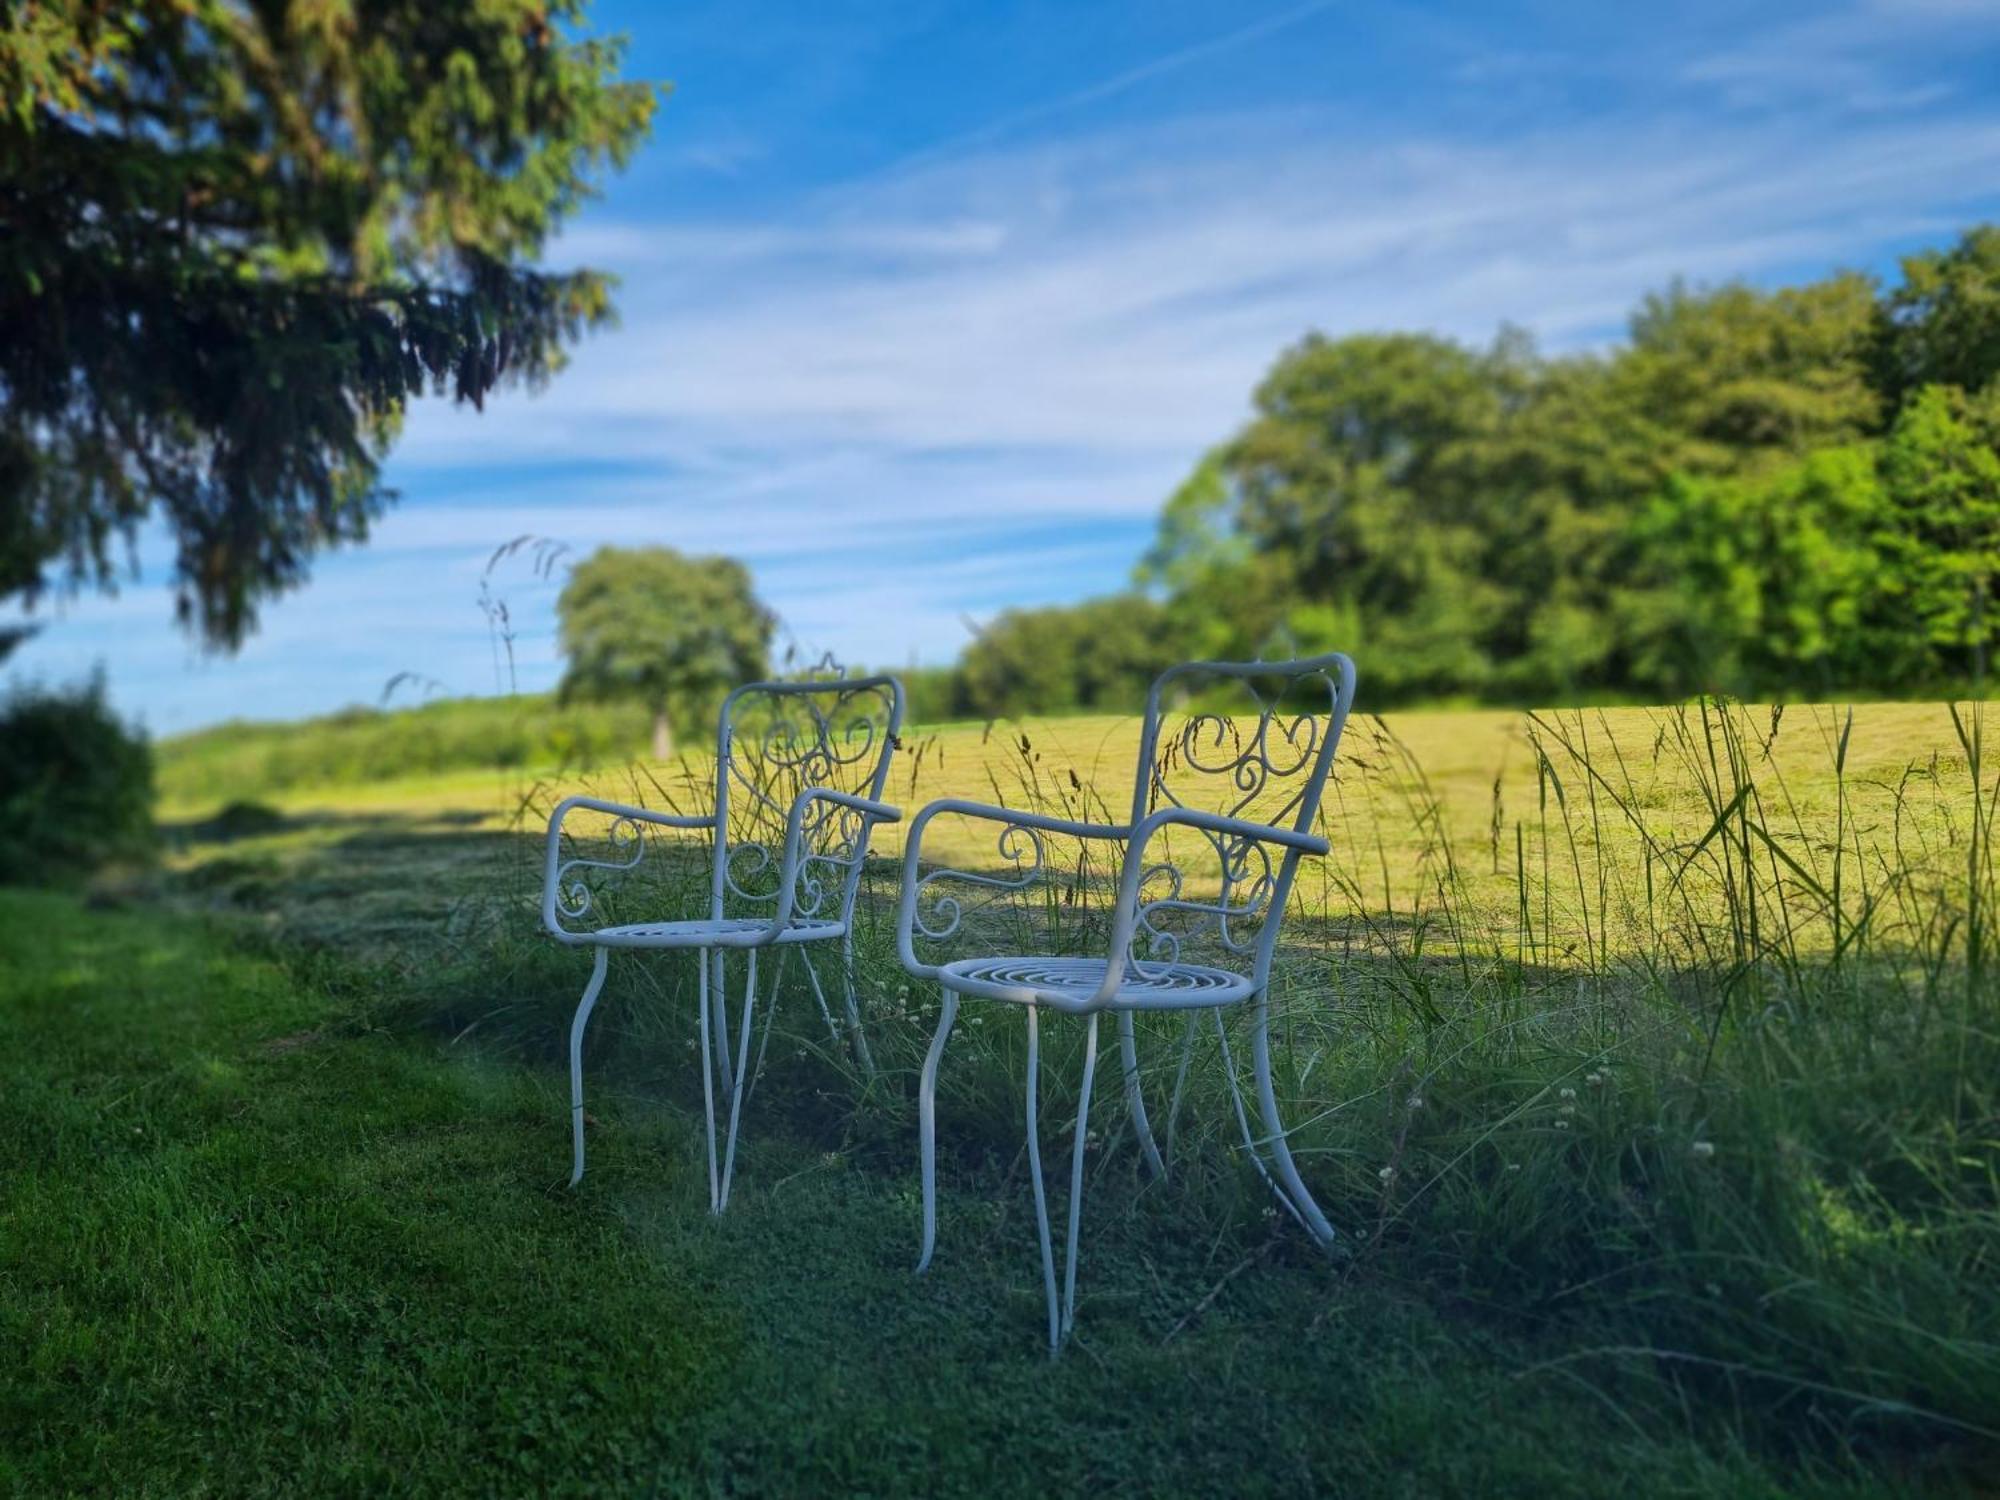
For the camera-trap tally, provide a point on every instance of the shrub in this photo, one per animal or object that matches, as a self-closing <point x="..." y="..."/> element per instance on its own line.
<point x="76" y="784"/>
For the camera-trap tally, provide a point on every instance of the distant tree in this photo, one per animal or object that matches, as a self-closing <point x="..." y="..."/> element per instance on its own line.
<point x="1476" y="520"/>
<point x="1763" y="584"/>
<point x="1758" y="491"/>
<point x="671" y="631"/>
<point x="1340" y="508"/>
<point x="1942" y="473"/>
<point x="1735" y="373"/>
<point x="1945" y="317"/>
<point x="1224" y="592"/>
<point x="237" y="238"/>
<point x="1100" y="654"/>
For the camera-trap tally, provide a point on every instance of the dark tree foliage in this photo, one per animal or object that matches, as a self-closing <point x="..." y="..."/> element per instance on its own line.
<point x="238" y="236"/>
<point x="1945" y="317"/>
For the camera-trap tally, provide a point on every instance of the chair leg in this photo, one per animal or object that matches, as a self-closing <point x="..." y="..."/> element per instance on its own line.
<point x="581" y="1020"/>
<point x="1281" y="1154"/>
<point x="1180" y="1078"/>
<point x="719" y="1006"/>
<point x="1076" y="1174"/>
<point x="927" y="1124"/>
<point x="819" y="994"/>
<point x="1128" y="1050"/>
<point x="1251" y="1147"/>
<point x="1041" y="1194"/>
<point x="770" y="1021"/>
<point x="736" y="1092"/>
<point x="861" y="1052"/>
<point x="707" y="1080"/>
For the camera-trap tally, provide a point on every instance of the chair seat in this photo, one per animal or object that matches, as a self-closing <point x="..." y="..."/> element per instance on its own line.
<point x="728" y="932"/>
<point x="1067" y="983"/>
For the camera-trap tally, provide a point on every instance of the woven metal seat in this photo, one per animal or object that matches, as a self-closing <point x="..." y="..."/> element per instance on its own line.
<point x="1062" y="982"/>
<point x="737" y="932"/>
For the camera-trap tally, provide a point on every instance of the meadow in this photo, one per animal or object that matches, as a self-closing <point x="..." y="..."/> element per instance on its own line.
<point x="1646" y="1059"/>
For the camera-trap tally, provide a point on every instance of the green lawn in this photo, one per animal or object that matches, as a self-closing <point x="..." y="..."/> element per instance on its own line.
<point x="250" y="1244"/>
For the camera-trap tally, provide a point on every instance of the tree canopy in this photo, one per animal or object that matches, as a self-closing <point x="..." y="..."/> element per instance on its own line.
<point x="1782" y="491"/>
<point x="237" y="236"/>
<point x="672" y="631"/>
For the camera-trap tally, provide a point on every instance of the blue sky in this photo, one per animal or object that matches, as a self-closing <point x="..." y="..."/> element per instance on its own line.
<point x="928" y="306"/>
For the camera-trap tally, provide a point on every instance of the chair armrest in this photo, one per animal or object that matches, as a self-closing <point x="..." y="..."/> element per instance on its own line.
<point x="555" y="867"/>
<point x="871" y="811"/>
<point x="1035" y="824"/>
<point x="1208" y="822"/>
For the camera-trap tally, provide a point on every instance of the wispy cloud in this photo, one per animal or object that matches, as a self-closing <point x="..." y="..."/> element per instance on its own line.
<point x="1876" y="57"/>
<point x="1119" y="296"/>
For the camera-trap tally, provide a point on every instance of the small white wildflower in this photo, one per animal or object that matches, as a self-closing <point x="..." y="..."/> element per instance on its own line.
<point x="1594" y="1078"/>
<point x="1567" y="1094"/>
<point x="1562" y="1124"/>
<point x="1387" y="1174"/>
<point x="1513" y="1166"/>
<point x="1416" y="1101"/>
<point x="1567" y="1110"/>
<point x="1704" y="1149"/>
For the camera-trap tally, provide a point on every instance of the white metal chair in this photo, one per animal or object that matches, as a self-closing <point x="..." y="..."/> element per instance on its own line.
<point x="800" y="768"/>
<point x="1258" y="740"/>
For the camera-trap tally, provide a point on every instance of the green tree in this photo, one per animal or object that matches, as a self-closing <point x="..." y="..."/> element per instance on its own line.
<point x="236" y="238"/>
<point x="1733" y="374"/>
<point x="1943" y="545"/>
<point x="671" y="631"/>
<point x="1337" y="509"/>
<point x="1944" y="319"/>
<point x="1224" y="592"/>
<point x="1763" y="584"/>
<point x="1471" y="519"/>
<point x="1100" y="654"/>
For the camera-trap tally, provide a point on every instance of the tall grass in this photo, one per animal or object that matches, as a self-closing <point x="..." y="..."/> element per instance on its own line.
<point x="1687" y="1066"/>
<point x="1730" y="1106"/>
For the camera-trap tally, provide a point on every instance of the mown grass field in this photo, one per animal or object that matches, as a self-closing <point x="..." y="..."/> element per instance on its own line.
<point x="1433" y="816"/>
<point x="1647" y="1063"/>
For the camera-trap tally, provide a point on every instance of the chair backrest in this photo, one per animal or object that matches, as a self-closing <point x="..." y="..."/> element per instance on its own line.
<point x="775" y="740"/>
<point x="1253" y="740"/>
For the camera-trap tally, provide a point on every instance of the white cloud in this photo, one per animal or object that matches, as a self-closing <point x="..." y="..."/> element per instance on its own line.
<point x="1120" y="296"/>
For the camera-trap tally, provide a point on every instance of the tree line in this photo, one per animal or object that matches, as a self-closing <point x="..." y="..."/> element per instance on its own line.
<point x="1788" y="492"/>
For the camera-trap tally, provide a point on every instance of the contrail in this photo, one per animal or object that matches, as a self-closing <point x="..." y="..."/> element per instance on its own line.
<point x="1116" y="84"/>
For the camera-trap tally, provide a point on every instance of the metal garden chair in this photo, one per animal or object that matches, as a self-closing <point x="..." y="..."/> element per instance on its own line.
<point x="1257" y="744"/>
<point x="800" y="768"/>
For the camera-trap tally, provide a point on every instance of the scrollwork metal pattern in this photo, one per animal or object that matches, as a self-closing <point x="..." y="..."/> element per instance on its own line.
<point x="937" y="916"/>
<point x="574" y="898"/>
<point x="1262" y="764"/>
<point x="1282" y="743"/>
<point x="776" y="747"/>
